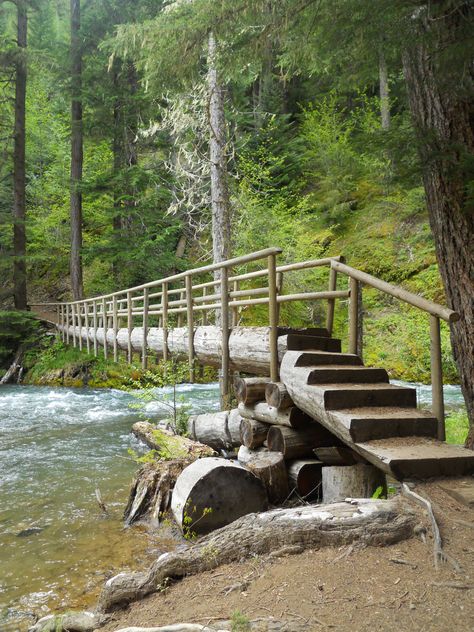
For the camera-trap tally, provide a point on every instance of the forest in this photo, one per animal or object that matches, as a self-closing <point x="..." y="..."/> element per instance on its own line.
<point x="142" y="138"/>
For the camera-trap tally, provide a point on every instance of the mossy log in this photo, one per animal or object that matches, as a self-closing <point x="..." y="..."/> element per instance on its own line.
<point x="170" y="445"/>
<point x="370" y="522"/>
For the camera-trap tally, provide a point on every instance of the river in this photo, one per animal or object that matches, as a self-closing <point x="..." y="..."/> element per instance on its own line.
<point x="56" y="446"/>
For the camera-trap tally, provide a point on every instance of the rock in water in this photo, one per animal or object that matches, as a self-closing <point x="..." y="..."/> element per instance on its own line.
<point x="27" y="532"/>
<point x="212" y="492"/>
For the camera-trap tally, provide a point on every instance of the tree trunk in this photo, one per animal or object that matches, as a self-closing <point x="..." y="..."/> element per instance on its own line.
<point x="19" y="202"/>
<point x="442" y="107"/>
<point x="76" y="152"/>
<point x="384" y="91"/>
<point x="220" y="200"/>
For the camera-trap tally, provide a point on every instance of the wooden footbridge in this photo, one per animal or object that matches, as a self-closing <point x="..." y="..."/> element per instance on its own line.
<point x="197" y="314"/>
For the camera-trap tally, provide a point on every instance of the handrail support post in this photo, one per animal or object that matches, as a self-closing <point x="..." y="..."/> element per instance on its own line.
<point x="437" y="376"/>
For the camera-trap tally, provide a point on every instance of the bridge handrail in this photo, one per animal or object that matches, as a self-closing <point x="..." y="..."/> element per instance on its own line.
<point x="109" y="308"/>
<point x="424" y="304"/>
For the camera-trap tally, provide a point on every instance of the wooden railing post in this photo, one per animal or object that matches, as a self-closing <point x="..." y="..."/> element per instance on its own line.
<point x="204" y="312"/>
<point x="129" y="327"/>
<point x="279" y="282"/>
<point x="331" y="301"/>
<point x="225" y="361"/>
<point x="437" y="376"/>
<point x="190" y="319"/>
<point x="273" y="317"/>
<point x="115" y="326"/>
<point x="68" y="334"/>
<point x="353" y="314"/>
<point x="62" y="322"/>
<point x="79" y="323"/>
<point x="145" y="329"/>
<point x="73" y="318"/>
<point x="164" y="303"/>
<point x="235" y="310"/>
<point x="86" y="324"/>
<point x="180" y="315"/>
<point x="94" y="321"/>
<point x="104" y="326"/>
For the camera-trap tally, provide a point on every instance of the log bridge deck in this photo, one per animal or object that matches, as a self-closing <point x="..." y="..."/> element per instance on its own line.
<point x="379" y="421"/>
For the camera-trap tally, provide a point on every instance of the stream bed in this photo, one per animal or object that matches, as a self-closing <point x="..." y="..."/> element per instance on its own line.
<point x="57" y="445"/>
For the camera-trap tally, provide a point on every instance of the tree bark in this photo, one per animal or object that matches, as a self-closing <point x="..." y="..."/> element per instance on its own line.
<point x="384" y="91"/>
<point x="220" y="199"/>
<point x="76" y="152"/>
<point x="442" y="107"/>
<point x="19" y="200"/>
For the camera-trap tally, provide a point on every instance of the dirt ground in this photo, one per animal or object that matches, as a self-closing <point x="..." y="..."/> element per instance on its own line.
<point x="396" y="587"/>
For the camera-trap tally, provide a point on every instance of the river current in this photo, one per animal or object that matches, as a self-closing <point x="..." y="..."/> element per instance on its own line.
<point x="57" y="445"/>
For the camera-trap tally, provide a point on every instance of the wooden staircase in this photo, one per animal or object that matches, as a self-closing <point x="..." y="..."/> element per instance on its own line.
<point x="378" y="420"/>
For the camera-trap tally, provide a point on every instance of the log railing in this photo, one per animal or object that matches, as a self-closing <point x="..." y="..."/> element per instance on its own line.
<point x="187" y="298"/>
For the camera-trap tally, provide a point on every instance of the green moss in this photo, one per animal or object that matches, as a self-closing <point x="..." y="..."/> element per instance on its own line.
<point x="457" y="426"/>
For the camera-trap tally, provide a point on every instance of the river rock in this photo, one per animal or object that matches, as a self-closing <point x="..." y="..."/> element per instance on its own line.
<point x="210" y="493"/>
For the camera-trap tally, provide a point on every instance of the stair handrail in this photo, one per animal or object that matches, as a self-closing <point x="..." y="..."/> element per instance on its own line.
<point x="436" y="312"/>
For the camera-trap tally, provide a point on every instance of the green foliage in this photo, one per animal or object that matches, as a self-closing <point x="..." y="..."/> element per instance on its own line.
<point x="239" y="622"/>
<point x="16" y="328"/>
<point x="457" y="427"/>
<point x="190" y="520"/>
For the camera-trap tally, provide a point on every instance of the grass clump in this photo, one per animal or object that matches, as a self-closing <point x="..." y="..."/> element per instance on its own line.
<point x="457" y="427"/>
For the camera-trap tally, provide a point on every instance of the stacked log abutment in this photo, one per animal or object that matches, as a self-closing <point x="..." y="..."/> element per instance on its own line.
<point x="317" y="463"/>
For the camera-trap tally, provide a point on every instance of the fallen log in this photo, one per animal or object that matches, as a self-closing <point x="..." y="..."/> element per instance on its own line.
<point x="234" y="421"/>
<point x="261" y="411"/>
<point x="14" y="368"/>
<point x="270" y="468"/>
<point x="250" y="389"/>
<point x="370" y="522"/>
<point x="305" y="476"/>
<point x="295" y="443"/>
<point x="212" y="492"/>
<point x="353" y="481"/>
<point x="253" y="433"/>
<point x="277" y="396"/>
<point x="168" y="444"/>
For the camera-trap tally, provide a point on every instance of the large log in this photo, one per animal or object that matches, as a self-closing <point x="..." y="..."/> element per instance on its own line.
<point x="270" y="468"/>
<point x="213" y="492"/>
<point x="261" y="411"/>
<point x="351" y="481"/>
<point x="253" y="433"/>
<point x="251" y="389"/>
<point x="210" y="429"/>
<point x="305" y="476"/>
<point x="175" y="446"/>
<point x="294" y="444"/>
<point x="277" y="396"/>
<point x="220" y="430"/>
<point x="369" y="522"/>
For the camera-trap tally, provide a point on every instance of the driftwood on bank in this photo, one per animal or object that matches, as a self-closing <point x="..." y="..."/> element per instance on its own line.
<point x="261" y="411"/>
<point x="270" y="468"/>
<point x="171" y="444"/>
<point x="15" y="368"/>
<point x="370" y="522"/>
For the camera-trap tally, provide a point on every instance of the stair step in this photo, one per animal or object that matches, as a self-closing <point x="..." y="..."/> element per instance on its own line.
<point x="418" y="457"/>
<point x="301" y="342"/>
<point x="366" y="424"/>
<point x="323" y="358"/>
<point x="307" y="331"/>
<point x="342" y="374"/>
<point x="337" y="396"/>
